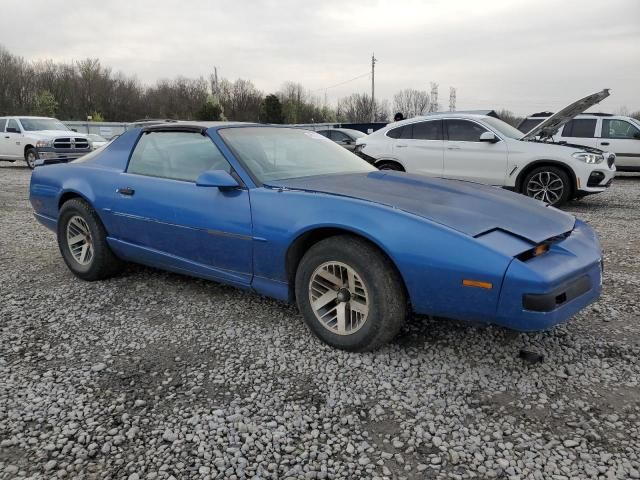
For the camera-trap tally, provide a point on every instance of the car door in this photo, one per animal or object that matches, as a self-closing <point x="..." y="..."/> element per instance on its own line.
<point x="581" y="131"/>
<point x="623" y="138"/>
<point x="342" y="139"/>
<point x="159" y="209"/>
<point x="419" y="147"/>
<point x="3" y="140"/>
<point x="467" y="158"/>
<point x="12" y="138"/>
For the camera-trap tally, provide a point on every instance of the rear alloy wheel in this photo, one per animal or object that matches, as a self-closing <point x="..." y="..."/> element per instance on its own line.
<point x="30" y="156"/>
<point x="350" y="294"/>
<point x="83" y="242"/>
<point x="548" y="184"/>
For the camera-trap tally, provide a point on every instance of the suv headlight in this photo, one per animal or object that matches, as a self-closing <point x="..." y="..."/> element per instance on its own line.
<point x="585" y="157"/>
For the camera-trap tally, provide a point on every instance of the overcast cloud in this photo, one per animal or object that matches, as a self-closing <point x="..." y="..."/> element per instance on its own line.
<point x="524" y="55"/>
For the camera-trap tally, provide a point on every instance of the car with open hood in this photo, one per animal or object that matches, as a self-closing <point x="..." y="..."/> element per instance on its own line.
<point x="615" y="133"/>
<point x="289" y="214"/>
<point x="482" y="148"/>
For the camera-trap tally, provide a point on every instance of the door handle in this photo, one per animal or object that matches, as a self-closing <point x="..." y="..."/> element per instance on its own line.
<point x="126" y="191"/>
<point x="604" y="143"/>
<point x="7" y="136"/>
<point x="453" y="148"/>
<point x="401" y="146"/>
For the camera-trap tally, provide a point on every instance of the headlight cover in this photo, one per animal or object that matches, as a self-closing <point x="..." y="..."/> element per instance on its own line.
<point x="592" y="158"/>
<point x="43" y="143"/>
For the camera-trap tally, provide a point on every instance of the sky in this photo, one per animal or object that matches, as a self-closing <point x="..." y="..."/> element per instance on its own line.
<point x="522" y="55"/>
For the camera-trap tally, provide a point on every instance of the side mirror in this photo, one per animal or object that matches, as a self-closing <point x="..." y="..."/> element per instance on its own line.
<point x="217" y="178"/>
<point x="12" y="130"/>
<point x="489" y="137"/>
<point x="348" y="142"/>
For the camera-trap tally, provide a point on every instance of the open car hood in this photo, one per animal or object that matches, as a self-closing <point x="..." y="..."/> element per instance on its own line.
<point x="467" y="207"/>
<point x="551" y="125"/>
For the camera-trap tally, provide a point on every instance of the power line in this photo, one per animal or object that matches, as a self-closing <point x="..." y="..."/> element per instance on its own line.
<point x="342" y="83"/>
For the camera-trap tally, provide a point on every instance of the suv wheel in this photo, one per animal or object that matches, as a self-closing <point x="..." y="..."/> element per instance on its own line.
<point x="548" y="184"/>
<point x="390" y="166"/>
<point x="30" y="156"/>
<point x="350" y="295"/>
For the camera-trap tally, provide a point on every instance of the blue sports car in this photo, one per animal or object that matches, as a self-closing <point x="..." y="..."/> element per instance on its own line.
<point x="289" y="214"/>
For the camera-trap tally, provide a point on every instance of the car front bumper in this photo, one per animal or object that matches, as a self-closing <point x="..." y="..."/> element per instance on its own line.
<point x="549" y="289"/>
<point x="60" y="154"/>
<point x="596" y="180"/>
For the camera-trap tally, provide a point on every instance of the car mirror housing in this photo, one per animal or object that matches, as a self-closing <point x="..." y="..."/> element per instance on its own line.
<point x="489" y="137"/>
<point x="217" y="178"/>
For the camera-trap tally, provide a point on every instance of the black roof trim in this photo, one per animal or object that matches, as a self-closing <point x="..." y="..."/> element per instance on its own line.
<point x="168" y="127"/>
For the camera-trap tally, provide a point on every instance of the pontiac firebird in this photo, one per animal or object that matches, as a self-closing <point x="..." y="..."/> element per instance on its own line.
<point x="289" y="214"/>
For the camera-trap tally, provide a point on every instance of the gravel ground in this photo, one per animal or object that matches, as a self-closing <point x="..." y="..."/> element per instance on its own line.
<point x="156" y="375"/>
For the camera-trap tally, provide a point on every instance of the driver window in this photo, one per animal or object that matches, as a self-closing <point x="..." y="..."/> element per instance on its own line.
<point x="464" y="131"/>
<point x="618" y="129"/>
<point x="176" y="155"/>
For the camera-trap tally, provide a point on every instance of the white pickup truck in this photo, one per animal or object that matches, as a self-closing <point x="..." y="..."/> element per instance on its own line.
<point x="31" y="138"/>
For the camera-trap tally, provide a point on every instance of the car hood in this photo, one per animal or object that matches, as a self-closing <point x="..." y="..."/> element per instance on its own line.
<point x="552" y="124"/>
<point x="467" y="207"/>
<point x="55" y="133"/>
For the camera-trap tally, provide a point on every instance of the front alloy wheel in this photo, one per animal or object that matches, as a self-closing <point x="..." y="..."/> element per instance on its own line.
<point x="548" y="184"/>
<point x="339" y="298"/>
<point x="350" y="294"/>
<point x="30" y="157"/>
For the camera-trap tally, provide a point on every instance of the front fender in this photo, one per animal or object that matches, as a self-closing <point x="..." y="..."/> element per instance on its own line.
<point x="432" y="259"/>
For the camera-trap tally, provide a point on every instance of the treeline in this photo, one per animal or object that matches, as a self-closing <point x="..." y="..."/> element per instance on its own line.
<point x="77" y="90"/>
<point x="74" y="91"/>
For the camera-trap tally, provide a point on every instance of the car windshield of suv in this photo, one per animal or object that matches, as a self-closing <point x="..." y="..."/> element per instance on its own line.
<point x="35" y="124"/>
<point x="503" y="127"/>
<point x="281" y="153"/>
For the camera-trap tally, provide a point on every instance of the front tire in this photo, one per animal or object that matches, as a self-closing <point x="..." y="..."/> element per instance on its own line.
<point x="83" y="242"/>
<point x="350" y="295"/>
<point x="30" y="156"/>
<point x="548" y="184"/>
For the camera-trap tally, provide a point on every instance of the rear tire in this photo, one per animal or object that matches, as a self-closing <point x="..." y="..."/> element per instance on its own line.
<point x="83" y="242"/>
<point x="389" y="165"/>
<point x="30" y="156"/>
<point x="549" y="184"/>
<point x="350" y="295"/>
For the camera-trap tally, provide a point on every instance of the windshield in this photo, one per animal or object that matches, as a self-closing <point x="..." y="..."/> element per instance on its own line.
<point x="34" y="124"/>
<point x="279" y="153"/>
<point x="503" y="128"/>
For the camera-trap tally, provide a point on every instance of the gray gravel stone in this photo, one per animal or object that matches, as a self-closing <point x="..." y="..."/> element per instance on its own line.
<point x="155" y="375"/>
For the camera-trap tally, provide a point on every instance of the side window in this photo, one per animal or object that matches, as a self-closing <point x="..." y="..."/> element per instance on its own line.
<point x="464" y="131"/>
<point x="427" y="130"/>
<point x="12" y="123"/>
<point x="580" y="128"/>
<point x="176" y="155"/>
<point x="339" y="136"/>
<point x="3" y="122"/>
<point x="612" y="128"/>
<point x="395" y="133"/>
<point x="325" y="133"/>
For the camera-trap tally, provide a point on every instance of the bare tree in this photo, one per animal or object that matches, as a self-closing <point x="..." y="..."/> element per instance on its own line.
<point x="509" y="117"/>
<point x="357" y="108"/>
<point x="411" y="102"/>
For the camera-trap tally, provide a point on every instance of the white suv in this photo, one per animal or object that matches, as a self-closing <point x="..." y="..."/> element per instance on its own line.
<point x="616" y="133"/>
<point x="30" y="138"/>
<point x="484" y="149"/>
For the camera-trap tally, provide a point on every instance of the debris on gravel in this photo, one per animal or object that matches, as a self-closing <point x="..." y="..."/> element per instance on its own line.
<point x="152" y="375"/>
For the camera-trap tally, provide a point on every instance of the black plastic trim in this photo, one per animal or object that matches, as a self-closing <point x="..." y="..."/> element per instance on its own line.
<point x="548" y="302"/>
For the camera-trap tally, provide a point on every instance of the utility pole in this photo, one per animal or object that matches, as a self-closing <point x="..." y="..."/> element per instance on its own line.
<point x="452" y="99"/>
<point x="373" y="87"/>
